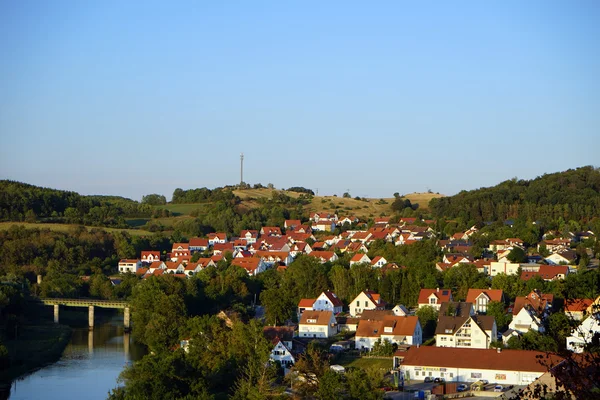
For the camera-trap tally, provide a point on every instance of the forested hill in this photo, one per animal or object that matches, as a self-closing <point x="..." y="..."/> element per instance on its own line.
<point x="24" y="202"/>
<point x="569" y="195"/>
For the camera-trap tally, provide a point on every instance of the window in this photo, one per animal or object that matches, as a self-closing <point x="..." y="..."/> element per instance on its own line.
<point x="357" y="303"/>
<point x="432" y="300"/>
<point x="366" y="304"/>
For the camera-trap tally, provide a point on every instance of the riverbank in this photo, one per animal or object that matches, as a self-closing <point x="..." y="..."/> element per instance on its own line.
<point x="38" y="345"/>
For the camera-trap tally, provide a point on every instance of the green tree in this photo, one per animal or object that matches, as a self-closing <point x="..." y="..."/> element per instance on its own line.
<point x="497" y="310"/>
<point x="517" y="255"/>
<point x="428" y="317"/>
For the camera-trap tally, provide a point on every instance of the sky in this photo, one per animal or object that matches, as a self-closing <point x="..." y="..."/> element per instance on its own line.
<point x="131" y="98"/>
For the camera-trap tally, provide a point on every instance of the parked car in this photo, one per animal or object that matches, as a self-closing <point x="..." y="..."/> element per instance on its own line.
<point x="485" y="381"/>
<point x="428" y="379"/>
<point x="461" y="388"/>
<point x="498" y="388"/>
<point x="439" y="380"/>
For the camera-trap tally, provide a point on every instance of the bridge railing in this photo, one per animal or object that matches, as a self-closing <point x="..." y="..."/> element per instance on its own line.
<point x="86" y="302"/>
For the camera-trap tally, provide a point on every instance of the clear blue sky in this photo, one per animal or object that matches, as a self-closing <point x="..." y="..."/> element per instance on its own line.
<point x="131" y="97"/>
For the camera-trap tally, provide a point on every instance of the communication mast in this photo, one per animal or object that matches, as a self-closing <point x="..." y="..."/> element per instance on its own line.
<point x="241" y="169"/>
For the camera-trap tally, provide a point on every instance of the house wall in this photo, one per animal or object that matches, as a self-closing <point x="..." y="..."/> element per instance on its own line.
<point x="129" y="267"/>
<point x="281" y="354"/>
<point x="364" y="303"/>
<point x="501" y="377"/>
<point x="362" y="342"/>
<point x="506" y="268"/>
<point x="323" y="304"/>
<point x="523" y="322"/>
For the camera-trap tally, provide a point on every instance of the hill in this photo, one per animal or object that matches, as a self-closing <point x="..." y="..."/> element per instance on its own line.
<point x="569" y="195"/>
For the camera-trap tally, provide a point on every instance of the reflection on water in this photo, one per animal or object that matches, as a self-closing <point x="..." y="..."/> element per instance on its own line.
<point x="88" y="368"/>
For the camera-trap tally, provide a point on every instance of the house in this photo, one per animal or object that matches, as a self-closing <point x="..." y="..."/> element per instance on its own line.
<point x="299" y="248"/>
<point x="506" y="268"/>
<point x="360" y="259"/>
<point x="555" y="245"/>
<point x="179" y="250"/>
<point x="129" y="265"/>
<point x="457" y="258"/>
<point x="250" y="236"/>
<point x="323" y="226"/>
<point x="480" y="298"/>
<point x="562" y="257"/>
<point x="395" y="329"/>
<point x="270" y="231"/>
<point x="317" y="324"/>
<point x="499" y="245"/>
<point x="547" y="272"/>
<point x="218" y="237"/>
<point x="174" y="267"/>
<point x="578" y="309"/>
<point x="305" y="305"/>
<point x="328" y="301"/>
<point x="323" y="216"/>
<point x="193" y="268"/>
<point x="400" y="310"/>
<point x="197" y="244"/>
<point x="271" y="258"/>
<point x="148" y="257"/>
<point x="530" y="311"/>
<point x="582" y="335"/>
<point x="434" y="297"/>
<point x="508" y="334"/>
<point x="282" y="355"/>
<point x="252" y="265"/>
<point x="458" y="326"/>
<point x="156" y="265"/>
<point x="361" y="236"/>
<point x="378" y="262"/>
<point x="366" y="300"/>
<point x="324" y="256"/>
<point x="291" y="224"/>
<point x="222" y="248"/>
<point x="504" y="367"/>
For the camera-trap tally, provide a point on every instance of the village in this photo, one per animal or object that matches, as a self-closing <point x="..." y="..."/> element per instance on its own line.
<point x="466" y="351"/>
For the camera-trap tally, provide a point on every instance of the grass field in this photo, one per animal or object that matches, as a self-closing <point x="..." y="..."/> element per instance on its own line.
<point x="348" y="360"/>
<point x="348" y="206"/>
<point x="66" y="228"/>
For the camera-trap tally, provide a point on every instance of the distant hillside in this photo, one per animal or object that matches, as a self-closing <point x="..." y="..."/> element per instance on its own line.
<point x="24" y="202"/>
<point x="569" y="195"/>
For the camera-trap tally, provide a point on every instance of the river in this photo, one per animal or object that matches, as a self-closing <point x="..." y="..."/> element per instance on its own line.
<point x="88" y="368"/>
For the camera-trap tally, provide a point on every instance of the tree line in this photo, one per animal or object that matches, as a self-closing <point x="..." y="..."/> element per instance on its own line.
<point x="551" y="198"/>
<point x="23" y="202"/>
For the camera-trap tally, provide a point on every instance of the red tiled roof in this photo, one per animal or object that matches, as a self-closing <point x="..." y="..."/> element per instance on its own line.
<point x="488" y="359"/>
<point x="578" y="305"/>
<point x="443" y="295"/>
<point x="493" y="294"/>
<point x="198" y="242"/>
<point x="333" y="298"/>
<point x="322" y="317"/>
<point x="306" y="303"/>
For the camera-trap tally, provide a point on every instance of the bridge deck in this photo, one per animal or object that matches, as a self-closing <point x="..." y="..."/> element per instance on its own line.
<point x="86" y="303"/>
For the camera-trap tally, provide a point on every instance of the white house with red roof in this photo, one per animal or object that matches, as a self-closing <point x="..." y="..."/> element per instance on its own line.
<point x="395" y="329"/>
<point x="360" y="259"/>
<point x="317" y="324"/>
<point x="282" y="355"/>
<point x="252" y="265"/>
<point x="148" y="257"/>
<point x="434" y="297"/>
<point x="129" y="265"/>
<point x="270" y="231"/>
<point x="378" y="262"/>
<point x="291" y="224"/>
<point x="480" y="298"/>
<point x="366" y="300"/>
<point x="174" y="267"/>
<point x="217" y="237"/>
<point x="250" y="236"/>
<point x="198" y="244"/>
<point x="179" y="250"/>
<point x="156" y="265"/>
<point x="324" y="256"/>
<point x="328" y="301"/>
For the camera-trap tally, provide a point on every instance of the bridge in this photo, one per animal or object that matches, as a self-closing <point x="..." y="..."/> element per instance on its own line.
<point x="90" y="304"/>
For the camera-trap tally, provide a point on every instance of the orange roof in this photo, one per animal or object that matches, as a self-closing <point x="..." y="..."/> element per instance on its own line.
<point x="321" y="317"/>
<point x="493" y="294"/>
<point x="443" y="295"/>
<point x="578" y="305"/>
<point x="489" y="359"/>
<point x="306" y="303"/>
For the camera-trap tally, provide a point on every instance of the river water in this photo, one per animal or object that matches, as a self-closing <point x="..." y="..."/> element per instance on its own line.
<point x="88" y="368"/>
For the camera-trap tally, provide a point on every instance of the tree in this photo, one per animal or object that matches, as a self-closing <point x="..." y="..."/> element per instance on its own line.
<point x="497" y="310"/>
<point x="428" y="318"/>
<point x="278" y="308"/>
<point x="154" y="200"/>
<point x="517" y="255"/>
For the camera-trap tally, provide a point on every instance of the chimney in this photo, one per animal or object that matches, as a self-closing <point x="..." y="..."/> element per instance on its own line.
<point x="499" y="350"/>
<point x="438" y="289"/>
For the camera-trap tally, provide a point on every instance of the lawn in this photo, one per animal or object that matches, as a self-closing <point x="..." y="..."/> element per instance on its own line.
<point x="348" y="360"/>
<point x="66" y="228"/>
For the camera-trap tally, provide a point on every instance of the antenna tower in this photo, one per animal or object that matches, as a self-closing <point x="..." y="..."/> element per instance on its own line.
<point x="241" y="169"/>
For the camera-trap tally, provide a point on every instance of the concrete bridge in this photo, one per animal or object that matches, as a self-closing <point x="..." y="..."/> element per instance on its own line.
<point x="90" y="304"/>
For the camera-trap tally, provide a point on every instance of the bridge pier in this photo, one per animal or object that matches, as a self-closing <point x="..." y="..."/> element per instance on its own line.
<point x="56" y="307"/>
<point x="91" y="317"/>
<point x="127" y="319"/>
